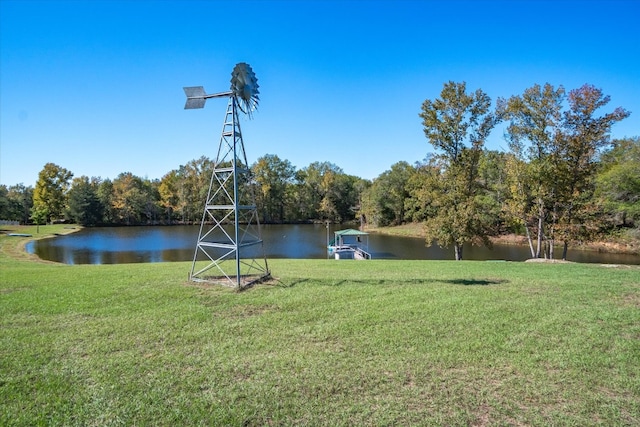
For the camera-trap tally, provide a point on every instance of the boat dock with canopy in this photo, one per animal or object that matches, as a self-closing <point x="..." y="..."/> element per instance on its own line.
<point x="350" y="244"/>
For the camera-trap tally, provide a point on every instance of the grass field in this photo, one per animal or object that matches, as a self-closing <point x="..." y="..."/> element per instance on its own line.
<point x="328" y="343"/>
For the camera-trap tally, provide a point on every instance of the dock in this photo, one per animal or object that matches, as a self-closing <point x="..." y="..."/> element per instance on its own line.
<point x="350" y="244"/>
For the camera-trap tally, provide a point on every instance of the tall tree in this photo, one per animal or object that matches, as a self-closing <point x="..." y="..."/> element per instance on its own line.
<point x="170" y="193"/>
<point x="4" y="203"/>
<point x="534" y="129"/>
<point x="384" y="201"/>
<point x="316" y="181"/>
<point x="273" y="176"/>
<point x="345" y="195"/>
<point x="192" y="183"/>
<point x="584" y="135"/>
<point x="458" y="124"/>
<point x="105" y="195"/>
<point x="557" y="150"/>
<point x="128" y="200"/>
<point x="18" y="201"/>
<point x="618" y="183"/>
<point x="84" y="206"/>
<point x="152" y="206"/>
<point x="492" y="178"/>
<point x="50" y="192"/>
<point x="418" y="205"/>
<point x="517" y="207"/>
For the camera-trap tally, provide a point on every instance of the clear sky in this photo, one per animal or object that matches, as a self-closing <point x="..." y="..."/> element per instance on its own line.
<point x="96" y="86"/>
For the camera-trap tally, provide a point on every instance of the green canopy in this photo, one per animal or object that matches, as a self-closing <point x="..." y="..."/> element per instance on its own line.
<point x="351" y="232"/>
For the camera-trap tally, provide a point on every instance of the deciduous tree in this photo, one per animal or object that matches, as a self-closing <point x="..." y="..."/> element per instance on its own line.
<point x="273" y="176"/>
<point x="384" y="200"/>
<point x="51" y="190"/>
<point x="458" y="124"/>
<point x="556" y="152"/>
<point x="105" y="195"/>
<point x="194" y="180"/>
<point x="4" y="203"/>
<point x="169" y="189"/>
<point x="129" y="200"/>
<point x="533" y="132"/>
<point x="314" y="192"/>
<point x="16" y="202"/>
<point x="584" y="135"/>
<point x="39" y="215"/>
<point x="618" y="183"/>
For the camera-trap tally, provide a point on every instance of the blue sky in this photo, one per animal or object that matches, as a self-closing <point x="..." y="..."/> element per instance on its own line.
<point x="96" y="86"/>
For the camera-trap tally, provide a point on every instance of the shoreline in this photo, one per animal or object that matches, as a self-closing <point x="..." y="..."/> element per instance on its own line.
<point x="16" y="246"/>
<point x="415" y="230"/>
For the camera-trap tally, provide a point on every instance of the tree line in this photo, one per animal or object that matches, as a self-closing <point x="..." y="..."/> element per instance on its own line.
<point x="562" y="180"/>
<point x="320" y="191"/>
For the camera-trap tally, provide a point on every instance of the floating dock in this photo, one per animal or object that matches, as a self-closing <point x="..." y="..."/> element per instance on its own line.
<point x="350" y="244"/>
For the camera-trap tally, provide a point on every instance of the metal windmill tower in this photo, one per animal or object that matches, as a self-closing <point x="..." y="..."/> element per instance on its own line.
<point x="230" y="250"/>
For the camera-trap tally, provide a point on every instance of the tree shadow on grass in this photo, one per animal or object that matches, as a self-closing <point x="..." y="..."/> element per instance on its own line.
<point x="374" y="282"/>
<point x="276" y="282"/>
<point x="344" y="282"/>
<point x="475" y="282"/>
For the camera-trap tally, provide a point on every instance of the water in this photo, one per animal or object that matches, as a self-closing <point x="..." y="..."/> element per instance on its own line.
<point x="118" y="245"/>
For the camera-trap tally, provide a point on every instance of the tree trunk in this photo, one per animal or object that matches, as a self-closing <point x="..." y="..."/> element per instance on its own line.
<point x="533" y="251"/>
<point x="565" y="248"/>
<point x="552" y="231"/>
<point x="540" y="223"/>
<point x="458" y="251"/>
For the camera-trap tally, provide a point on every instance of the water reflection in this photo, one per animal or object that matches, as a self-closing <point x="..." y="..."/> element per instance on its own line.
<point x="120" y="245"/>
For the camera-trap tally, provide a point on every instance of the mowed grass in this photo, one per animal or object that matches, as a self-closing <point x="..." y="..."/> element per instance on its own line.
<point x="327" y="343"/>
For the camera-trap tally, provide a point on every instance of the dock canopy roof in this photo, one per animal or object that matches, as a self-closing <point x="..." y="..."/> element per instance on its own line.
<point x="351" y="232"/>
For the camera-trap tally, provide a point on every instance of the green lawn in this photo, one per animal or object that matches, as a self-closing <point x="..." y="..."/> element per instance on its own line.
<point x="328" y="343"/>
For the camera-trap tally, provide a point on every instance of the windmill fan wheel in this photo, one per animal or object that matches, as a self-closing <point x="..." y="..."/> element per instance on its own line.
<point x="244" y="86"/>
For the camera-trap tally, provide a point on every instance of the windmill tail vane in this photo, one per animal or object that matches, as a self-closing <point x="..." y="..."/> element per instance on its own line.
<point x="196" y="97"/>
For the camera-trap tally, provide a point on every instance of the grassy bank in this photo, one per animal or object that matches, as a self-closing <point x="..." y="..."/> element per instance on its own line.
<point x="328" y="343"/>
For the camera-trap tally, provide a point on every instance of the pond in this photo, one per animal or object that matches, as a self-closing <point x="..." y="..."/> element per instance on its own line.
<point x="117" y="245"/>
